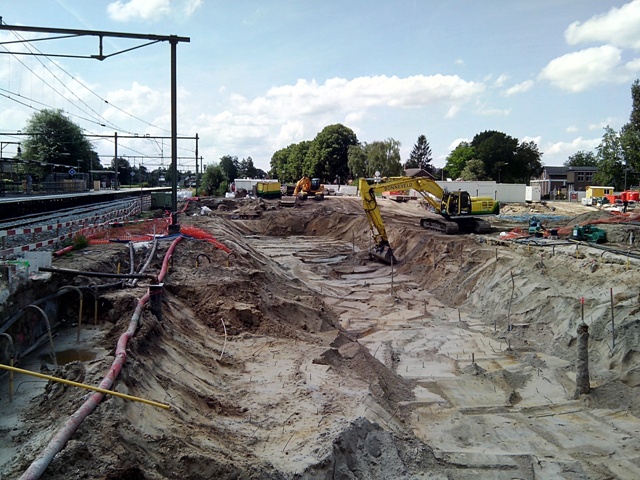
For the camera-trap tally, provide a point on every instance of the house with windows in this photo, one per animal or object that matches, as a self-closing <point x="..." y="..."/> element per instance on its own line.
<point x="559" y="182"/>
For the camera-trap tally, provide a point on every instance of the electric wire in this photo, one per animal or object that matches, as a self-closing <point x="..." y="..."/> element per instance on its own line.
<point x="31" y="48"/>
<point x="105" y="122"/>
<point x="11" y="96"/>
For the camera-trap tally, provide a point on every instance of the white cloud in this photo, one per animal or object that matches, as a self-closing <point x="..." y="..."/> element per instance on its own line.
<point x="601" y="125"/>
<point x="459" y="62"/>
<point x="633" y="66"/>
<point x="618" y="27"/>
<point x="291" y="132"/>
<point x="564" y="149"/>
<point x="494" y="111"/>
<point x="571" y="129"/>
<point x="535" y="140"/>
<point x="520" y="87"/>
<point x="453" y="111"/>
<point x="151" y="10"/>
<point x="501" y="80"/>
<point x="363" y="92"/>
<point x="288" y="114"/>
<point x="578" y="71"/>
<point x="457" y="142"/>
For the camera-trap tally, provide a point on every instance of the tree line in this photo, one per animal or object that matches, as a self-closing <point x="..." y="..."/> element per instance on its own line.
<point x="336" y="155"/>
<point x="617" y="157"/>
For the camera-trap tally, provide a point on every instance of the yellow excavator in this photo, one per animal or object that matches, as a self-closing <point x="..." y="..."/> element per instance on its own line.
<point x="306" y="187"/>
<point x="455" y="212"/>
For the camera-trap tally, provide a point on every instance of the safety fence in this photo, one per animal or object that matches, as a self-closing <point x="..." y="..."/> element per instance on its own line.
<point x="34" y="238"/>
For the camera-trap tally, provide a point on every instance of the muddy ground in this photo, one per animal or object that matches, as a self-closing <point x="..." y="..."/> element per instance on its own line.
<point x="457" y="363"/>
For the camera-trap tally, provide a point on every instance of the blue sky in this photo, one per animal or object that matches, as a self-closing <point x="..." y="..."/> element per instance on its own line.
<point x="260" y="75"/>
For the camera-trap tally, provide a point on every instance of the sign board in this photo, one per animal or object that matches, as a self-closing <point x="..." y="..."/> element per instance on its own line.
<point x="72" y="172"/>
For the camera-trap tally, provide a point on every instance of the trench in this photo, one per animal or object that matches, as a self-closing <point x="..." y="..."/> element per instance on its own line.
<point x="333" y="371"/>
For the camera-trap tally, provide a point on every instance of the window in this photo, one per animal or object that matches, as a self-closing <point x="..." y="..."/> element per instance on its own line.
<point x="581" y="176"/>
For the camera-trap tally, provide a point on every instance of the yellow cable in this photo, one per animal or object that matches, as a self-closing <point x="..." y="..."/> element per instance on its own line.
<point x="84" y="385"/>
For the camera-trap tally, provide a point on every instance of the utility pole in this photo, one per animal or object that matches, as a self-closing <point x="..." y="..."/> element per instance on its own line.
<point x="152" y="39"/>
<point x="196" y="164"/>
<point x="115" y="158"/>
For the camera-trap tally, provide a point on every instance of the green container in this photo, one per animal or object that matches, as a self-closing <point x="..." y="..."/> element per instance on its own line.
<point x="161" y="200"/>
<point x="268" y="190"/>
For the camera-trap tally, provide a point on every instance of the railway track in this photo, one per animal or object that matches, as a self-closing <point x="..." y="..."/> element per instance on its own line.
<point x="45" y="231"/>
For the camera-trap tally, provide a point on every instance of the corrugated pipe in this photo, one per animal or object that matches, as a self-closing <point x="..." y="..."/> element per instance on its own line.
<point x="57" y="443"/>
<point x="150" y="257"/>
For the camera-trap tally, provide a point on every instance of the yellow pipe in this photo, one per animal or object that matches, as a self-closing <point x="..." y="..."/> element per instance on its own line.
<point x="11" y="382"/>
<point x="84" y="385"/>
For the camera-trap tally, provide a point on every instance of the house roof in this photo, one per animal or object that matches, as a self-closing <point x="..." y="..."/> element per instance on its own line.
<point x="555" y="170"/>
<point x="417" y="172"/>
<point x="583" y="169"/>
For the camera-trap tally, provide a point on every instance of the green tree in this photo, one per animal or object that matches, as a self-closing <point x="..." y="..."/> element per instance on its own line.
<point x="581" y="159"/>
<point x="610" y="161"/>
<point x="214" y="180"/>
<point x="279" y="162"/>
<point x="630" y="135"/>
<point x="420" y="156"/>
<point x="295" y="164"/>
<point x="287" y="164"/>
<point x="246" y="169"/>
<point x="383" y="157"/>
<point x="497" y="151"/>
<point x="357" y="161"/>
<point x="328" y="155"/>
<point x="124" y="170"/>
<point x="458" y="158"/>
<point x="473" y="170"/>
<point x="527" y="162"/>
<point x="52" y="138"/>
<point x="229" y="166"/>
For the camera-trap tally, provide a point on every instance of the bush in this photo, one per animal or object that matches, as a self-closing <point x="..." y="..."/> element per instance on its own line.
<point x="80" y="242"/>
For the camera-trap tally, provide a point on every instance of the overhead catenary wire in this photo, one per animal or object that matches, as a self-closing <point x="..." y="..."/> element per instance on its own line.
<point x="98" y="118"/>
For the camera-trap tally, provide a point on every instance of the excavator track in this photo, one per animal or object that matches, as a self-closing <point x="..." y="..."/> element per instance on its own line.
<point x="440" y="225"/>
<point x="456" y="225"/>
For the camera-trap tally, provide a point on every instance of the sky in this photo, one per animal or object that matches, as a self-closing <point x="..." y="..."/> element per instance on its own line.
<point x="257" y="76"/>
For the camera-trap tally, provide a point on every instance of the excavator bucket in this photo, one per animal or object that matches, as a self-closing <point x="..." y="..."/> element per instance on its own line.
<point x="383" y="253"/>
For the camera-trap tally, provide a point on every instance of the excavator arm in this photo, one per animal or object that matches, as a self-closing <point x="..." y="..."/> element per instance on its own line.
<point x="430" y="190"/>
<point x="456" y="209"/>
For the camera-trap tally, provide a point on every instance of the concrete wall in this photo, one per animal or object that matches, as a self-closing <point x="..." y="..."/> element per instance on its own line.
<point x="503" y="192"/>
<point x="343" y="189"/>
<point x="248" y="183"/>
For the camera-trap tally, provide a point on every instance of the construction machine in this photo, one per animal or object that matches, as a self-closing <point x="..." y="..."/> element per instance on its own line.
<point x="589" y="233"/>
<point x="454" y="212"/>
<point x="309" y="187"/>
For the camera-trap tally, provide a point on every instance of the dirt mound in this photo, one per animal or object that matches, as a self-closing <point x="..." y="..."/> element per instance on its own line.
<point x="269" y="356"/>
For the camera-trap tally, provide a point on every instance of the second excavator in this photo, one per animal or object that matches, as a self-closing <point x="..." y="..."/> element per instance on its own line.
<point x="454" y="212"/>
<point x="306" y="187"/>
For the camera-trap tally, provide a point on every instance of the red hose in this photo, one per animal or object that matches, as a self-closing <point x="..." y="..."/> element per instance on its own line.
<point x="59" y="253"/>
<point x="60" y="439"/>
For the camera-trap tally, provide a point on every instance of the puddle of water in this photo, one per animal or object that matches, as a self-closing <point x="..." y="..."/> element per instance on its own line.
<point x="71" y="355"/>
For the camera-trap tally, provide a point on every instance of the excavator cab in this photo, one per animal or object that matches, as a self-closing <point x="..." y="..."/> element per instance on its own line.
<point x="456" y="203"/>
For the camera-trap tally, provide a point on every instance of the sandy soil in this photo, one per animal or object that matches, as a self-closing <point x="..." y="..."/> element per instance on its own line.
<point x="457" y="363"/>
